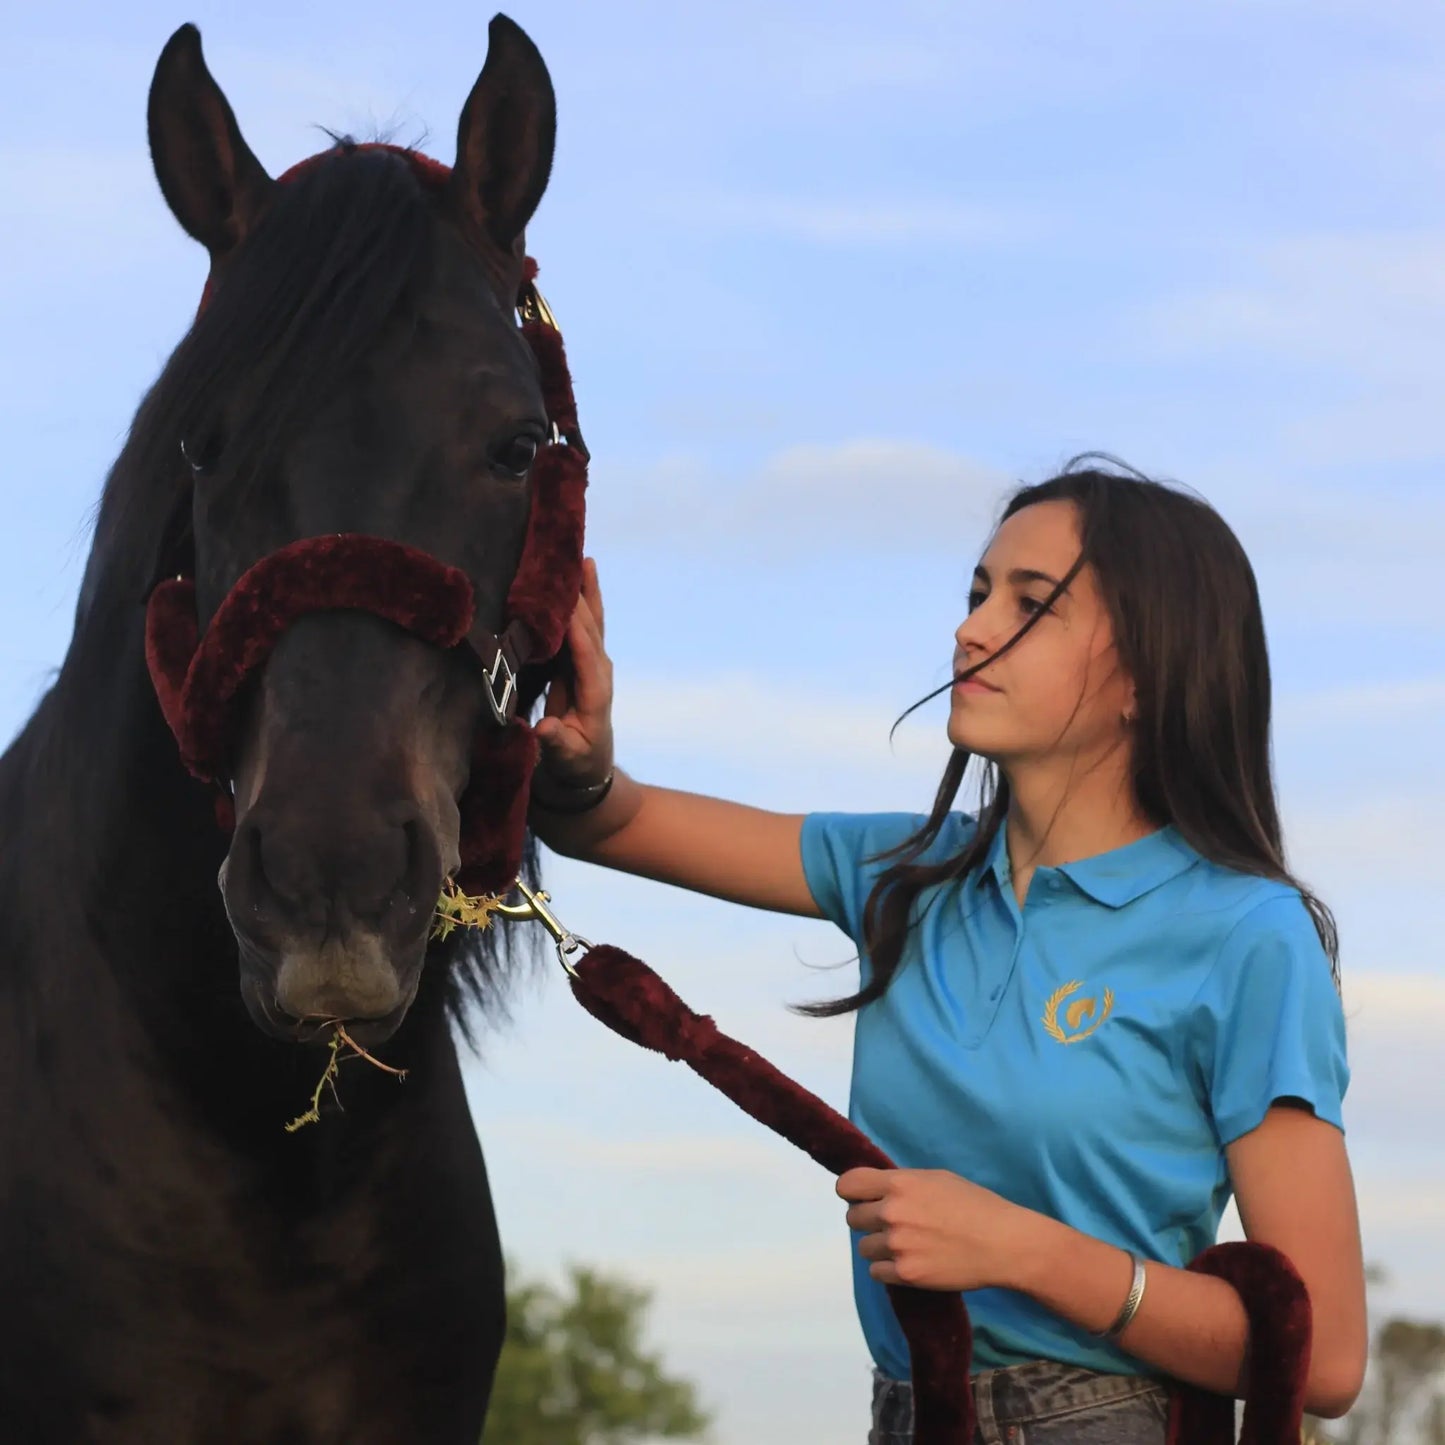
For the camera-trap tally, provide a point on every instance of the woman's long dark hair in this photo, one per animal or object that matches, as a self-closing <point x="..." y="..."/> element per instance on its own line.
<point x="1190" y="633"/>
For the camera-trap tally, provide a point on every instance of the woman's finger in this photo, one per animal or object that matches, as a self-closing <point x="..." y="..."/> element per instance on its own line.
<point x="863" y="1217"/>
<point x="592" y="591"/>
<point x="584" y="617"/>
<point x="592" y="683"/>
<point x="874" y="1246"/>
<point x="559" y="697"/>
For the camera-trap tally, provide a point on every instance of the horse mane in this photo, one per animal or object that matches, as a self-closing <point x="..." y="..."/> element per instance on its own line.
<point x="341" y="255"/>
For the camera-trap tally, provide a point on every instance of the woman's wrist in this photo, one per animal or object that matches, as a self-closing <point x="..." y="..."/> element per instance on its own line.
<point x="582" y="832"/>
<point x="1037" y="1243"/>
<point x="1087" y="1281"/>
<point x="567" y="797"/>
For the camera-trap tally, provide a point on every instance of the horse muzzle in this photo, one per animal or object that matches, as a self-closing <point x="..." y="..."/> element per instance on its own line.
<point x="331" y="927"/>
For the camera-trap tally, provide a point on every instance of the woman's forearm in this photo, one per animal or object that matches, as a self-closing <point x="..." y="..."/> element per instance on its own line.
<point x="706" y="845"/>
<point x="1192" y="1327"/>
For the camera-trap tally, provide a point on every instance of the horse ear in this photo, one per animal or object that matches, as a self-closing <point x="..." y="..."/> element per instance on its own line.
<point x="213" y="184"/>
<point x="504" y="141"/>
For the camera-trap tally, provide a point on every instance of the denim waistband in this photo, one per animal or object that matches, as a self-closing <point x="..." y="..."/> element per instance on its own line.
<point x="1033" y="1394"/>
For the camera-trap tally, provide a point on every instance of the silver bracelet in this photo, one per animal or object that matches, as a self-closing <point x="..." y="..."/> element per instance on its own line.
<point x="1126" y="1315"/>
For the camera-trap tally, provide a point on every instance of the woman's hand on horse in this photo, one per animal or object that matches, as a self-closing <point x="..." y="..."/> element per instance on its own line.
<point x="575" y="729"/>
<point x="936" y="1230"/>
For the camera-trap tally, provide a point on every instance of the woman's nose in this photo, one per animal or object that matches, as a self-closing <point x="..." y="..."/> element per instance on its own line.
<point x="970" y="635"/>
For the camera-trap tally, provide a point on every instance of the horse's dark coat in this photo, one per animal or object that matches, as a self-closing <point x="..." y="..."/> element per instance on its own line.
<point x="174" y="1267"/>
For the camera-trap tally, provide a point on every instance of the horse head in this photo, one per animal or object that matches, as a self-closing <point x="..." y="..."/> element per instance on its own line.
<point x="366" y="376"/>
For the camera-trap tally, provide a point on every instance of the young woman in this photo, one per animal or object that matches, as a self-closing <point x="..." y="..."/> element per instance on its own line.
<point x="1086" y="1015"/>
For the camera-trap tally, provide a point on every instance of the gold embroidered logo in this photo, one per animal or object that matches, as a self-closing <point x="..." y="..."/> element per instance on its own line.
<point x="1081" y="1009"/>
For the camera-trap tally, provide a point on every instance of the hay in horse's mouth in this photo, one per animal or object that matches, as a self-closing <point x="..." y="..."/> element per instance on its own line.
<point x="339" y="1037"/>
<point x="454" y="909"/>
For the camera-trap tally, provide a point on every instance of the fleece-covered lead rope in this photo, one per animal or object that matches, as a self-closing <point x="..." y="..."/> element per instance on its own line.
<point x="631" y="999"/>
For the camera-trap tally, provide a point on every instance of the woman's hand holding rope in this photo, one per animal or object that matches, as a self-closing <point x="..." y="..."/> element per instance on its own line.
<point x="935" y="1230"/>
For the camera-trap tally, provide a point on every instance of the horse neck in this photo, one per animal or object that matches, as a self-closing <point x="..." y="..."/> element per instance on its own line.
<point x="116" y="821"/>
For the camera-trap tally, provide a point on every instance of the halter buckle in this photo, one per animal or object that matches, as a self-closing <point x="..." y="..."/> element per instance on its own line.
<point x="505" y="705"/>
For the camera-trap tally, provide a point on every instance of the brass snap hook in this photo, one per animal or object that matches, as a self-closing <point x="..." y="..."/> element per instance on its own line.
<point x="535" y="910"/>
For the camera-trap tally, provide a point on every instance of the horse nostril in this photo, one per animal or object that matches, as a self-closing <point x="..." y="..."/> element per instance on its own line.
<point x="374" y="872"/>
<point x="283" y="868"/>
<point x="415" y="859"/>
<point x="255" y="862"/>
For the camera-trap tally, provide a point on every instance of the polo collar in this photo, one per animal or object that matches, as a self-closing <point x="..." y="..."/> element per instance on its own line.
<point x="1113" y="878"/>
<point x="1124" y="874"/>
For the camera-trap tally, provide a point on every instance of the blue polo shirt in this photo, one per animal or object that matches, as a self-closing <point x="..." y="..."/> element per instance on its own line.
<point x="1088" y="1055"/>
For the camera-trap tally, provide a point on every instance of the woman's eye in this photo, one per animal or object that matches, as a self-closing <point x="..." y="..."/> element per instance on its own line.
<point x="1031" y="606"/>
<point x="516" y="456"/>
<point x="975" y="600"/>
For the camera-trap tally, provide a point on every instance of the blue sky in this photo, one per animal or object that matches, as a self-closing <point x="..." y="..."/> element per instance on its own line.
<point x="833" y="276"/>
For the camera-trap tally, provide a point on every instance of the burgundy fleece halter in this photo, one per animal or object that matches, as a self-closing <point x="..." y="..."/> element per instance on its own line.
<point x="197" y="678"/>
<point x="196" y="681"/>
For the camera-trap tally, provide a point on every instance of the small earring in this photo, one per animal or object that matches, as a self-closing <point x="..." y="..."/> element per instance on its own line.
<point x="1128" y="716"/>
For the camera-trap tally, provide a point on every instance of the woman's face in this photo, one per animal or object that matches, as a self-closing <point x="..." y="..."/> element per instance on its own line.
<point x="1061" y="692"/>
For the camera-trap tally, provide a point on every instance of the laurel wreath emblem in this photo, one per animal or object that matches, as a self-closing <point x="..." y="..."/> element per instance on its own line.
<point x="1056" y="999"/>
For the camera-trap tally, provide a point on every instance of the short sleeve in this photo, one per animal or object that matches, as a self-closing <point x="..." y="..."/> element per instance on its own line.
<point x="840" y="857"/>
<point x="1268" y="1024"/>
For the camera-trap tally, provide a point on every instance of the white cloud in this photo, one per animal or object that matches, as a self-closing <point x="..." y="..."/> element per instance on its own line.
<point x="1367" y="308"/>
<point x="700" y="716"/>
<point x="865" y="493"/>
<point x="1399" y="424"/>
<point x="662" y="1154"/>
<point x="882" y="221"/>
<point x="1386" y="839"/>
<point x="1370" y="302"/>
<point x="1373" y="704"/>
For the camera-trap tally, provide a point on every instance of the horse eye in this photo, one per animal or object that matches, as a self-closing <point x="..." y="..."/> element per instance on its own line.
<point x="201" y="454"/>
<point x="516" y="455"/>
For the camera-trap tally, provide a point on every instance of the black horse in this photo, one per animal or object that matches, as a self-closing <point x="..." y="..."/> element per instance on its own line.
<point x="175" y="1268"/>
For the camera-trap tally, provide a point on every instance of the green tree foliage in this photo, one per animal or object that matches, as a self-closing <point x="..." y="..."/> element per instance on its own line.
<point x="1403" y="1402"/>
<point x="574" y="1371"/>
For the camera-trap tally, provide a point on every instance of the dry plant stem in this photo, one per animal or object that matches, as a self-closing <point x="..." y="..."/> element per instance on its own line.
<point x="313" y="1114"/>
<point x="454" y="909"/>
<point x="328" y="1079"/>
<point x="357" y="1049"/>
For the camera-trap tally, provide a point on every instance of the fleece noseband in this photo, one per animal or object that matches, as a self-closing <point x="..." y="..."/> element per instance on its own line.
<point x="197" y="677"/>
